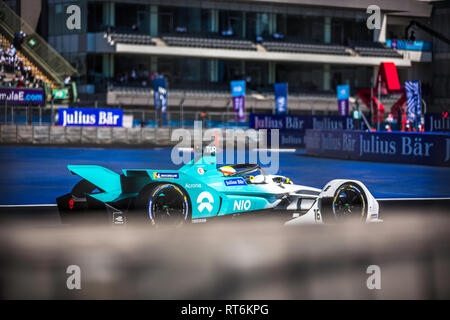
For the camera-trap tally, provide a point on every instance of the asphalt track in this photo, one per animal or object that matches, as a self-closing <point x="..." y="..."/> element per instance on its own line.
<point x="37" y="175"/>
<point x="32" y="177"/>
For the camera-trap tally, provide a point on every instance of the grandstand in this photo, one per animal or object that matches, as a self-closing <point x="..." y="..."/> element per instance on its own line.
<point x="213" y="41"/>
<point x="200" y="46"/>
<point x="16" y="70"/>
<point x="27" y="60"/>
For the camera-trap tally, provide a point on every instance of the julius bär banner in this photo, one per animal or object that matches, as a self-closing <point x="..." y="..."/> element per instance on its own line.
<point x="437" y="122"/>
<point x="292" y="127"/>
<point x="400" y="147"/>
<point x="13" y="96"/>
<point x="84" y="117"/>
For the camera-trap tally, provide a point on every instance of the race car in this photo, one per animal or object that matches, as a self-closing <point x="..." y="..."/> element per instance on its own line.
<point x="200" y="191"/>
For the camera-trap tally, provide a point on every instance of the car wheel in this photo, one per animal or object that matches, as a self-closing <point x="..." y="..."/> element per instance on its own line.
<point x="166" y="204"/>
<point x="348" y="203"/>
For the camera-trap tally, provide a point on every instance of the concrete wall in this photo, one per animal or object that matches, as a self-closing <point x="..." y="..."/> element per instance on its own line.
<point x="83" y="135"/>
<point x="44" y="135"/>
<point x="254" y="259"/>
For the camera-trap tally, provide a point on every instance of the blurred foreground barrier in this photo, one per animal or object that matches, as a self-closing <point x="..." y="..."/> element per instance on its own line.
<point x="237" y="260"/>
<point x="400" y="147"/>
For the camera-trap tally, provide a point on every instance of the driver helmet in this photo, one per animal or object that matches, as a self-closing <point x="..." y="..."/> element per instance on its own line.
<point x="227" y="170"/>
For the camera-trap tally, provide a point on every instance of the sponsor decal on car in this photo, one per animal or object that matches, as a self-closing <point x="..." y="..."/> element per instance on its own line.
<point x="165" y="175"/>
<point x="205" y="195"/>
<point x="118" y="218"/>
<point x="193" y="185"/>
<point x="242" y="205"/>
<point x="201" y="171"/>
<point x="235" y="182"/>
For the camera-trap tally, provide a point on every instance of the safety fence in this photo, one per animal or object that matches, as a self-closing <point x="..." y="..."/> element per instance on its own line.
<point x="398" y="147"/>
<point x="27" y="115"/>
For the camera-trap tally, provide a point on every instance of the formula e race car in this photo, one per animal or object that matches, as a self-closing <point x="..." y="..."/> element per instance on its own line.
<point x="200" y="190"/>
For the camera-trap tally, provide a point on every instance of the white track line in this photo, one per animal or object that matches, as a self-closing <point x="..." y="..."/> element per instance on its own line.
<point x="54" y="205"/>
<point x="26" y="205"/>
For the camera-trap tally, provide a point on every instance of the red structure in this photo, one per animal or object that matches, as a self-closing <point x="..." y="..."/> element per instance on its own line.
<point x="387" y="83"/>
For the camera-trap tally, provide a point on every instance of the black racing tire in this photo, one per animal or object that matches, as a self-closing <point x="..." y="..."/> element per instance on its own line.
<point x="164" y="204"/>
<point x="349" y="202"/>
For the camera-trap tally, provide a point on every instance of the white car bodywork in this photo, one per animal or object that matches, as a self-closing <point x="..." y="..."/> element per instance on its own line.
<point x="314" y="216"/>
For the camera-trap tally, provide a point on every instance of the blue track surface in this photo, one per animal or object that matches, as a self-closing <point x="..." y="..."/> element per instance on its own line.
<point x="37" y="175"/>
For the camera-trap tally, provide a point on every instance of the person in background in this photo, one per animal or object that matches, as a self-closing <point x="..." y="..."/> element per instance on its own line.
<point x="67" y="80"/>
<point x="278" y="36"/>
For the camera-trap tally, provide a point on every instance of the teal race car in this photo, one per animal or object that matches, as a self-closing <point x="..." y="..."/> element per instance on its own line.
<point x="200" y="191"/>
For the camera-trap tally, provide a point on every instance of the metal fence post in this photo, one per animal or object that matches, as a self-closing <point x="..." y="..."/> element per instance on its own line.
<point x="52" y="115"/>
<point x="228" y="113"/>
<point x="182" y="112"/>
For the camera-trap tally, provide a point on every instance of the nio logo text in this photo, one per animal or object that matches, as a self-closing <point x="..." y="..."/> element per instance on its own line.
<point x="202" y="205"/>
<point x="242" y="205"/>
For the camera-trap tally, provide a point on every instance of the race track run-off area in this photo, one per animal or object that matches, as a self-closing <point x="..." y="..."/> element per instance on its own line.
<point x="37" y="175"/>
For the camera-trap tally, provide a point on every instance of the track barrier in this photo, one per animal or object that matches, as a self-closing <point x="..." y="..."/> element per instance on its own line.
<point x="399" y="147"/>
<point x="56" y="135"/>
